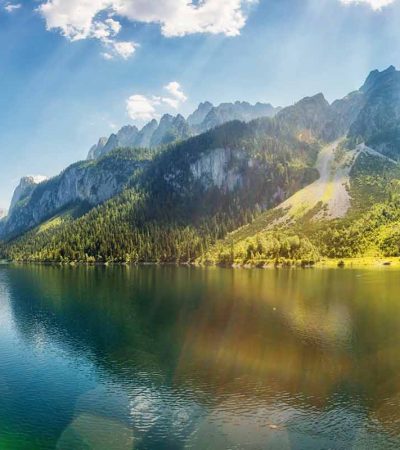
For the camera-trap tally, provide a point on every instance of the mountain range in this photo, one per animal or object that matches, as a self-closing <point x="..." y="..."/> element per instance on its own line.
<point x="173" y="128"/>
<point x="232" y="184"/>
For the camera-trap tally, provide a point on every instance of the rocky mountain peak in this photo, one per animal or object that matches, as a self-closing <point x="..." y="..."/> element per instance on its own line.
<point x="126" y="134"/>
<point x="172" y="128"/>
<point x="128" y="129"/>
<point x="166" y="118"/>
<point x="377" y="79"/>
<point x="25" y="188"/>
<point x="311" y="117"/>
<point x="197" y="117"/>
<point x="317" y="100"/>
<point x="97" y="148"/>
<point x="377" y="124"/>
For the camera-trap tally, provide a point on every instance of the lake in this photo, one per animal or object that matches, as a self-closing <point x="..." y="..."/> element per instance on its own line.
<point x="184" y="358"/>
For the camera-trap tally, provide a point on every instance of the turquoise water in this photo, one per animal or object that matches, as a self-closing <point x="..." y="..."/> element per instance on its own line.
<point x="182" y="358"/>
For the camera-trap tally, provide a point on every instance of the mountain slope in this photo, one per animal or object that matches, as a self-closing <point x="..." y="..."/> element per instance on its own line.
<point x="89" y="183"/>
<point x="304" y="184"/>
<point x="378" y="124"/>
<point x="189" y="196"/>
<point x="330" y="191"/>
<point x="352" y="210"/>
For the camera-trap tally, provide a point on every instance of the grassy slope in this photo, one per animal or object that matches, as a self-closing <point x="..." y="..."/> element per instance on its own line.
<point x="310" y="225"/>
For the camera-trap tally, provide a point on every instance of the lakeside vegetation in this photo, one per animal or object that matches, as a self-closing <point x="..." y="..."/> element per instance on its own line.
<point x="131" y="228"/>
<point x="106" y="235"/>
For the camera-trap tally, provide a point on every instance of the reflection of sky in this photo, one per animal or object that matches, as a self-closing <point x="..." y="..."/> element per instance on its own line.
<point x="264" y="360"/>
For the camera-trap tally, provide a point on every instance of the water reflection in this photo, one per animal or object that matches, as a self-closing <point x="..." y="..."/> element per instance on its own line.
<point x="173" y="358"/>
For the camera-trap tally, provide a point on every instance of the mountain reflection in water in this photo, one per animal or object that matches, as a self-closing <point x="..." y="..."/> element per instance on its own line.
<point x="183" y="358"/>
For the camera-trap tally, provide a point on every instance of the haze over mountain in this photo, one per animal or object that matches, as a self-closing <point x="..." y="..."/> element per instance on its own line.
<point x="173" y="128"/>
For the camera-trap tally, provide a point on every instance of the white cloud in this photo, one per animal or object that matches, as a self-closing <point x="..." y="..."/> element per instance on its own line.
<point x="124" y="49"/>
<point x="174" y="88"/>
<point x="78" y="19"/>
<point x="376" y="5"/>
<point x="11" y="7"/>
<point x="82" y="19"/>
<point x="182" y="17"/>
<point x="114" y="25"/>
<point x="74" y="18"/>
<point x="103" y="30"/>
<point x="140" y="107"/>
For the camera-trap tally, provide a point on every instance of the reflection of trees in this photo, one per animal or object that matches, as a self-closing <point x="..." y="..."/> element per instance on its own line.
<point x="254" y="336"/>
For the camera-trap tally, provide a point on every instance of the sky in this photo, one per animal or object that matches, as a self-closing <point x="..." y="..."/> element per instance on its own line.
<point x="74" y="70"/>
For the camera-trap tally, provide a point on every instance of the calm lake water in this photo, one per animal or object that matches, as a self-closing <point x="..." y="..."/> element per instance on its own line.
<point x="182" y="358"/>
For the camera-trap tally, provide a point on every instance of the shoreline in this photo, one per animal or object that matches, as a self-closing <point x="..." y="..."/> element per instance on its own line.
<point x="344" y="263"/>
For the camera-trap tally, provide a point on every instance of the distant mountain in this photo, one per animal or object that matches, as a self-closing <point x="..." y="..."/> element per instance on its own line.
<point x="226" y="112"/>
<point x="311" y="115"/>
<point x="3" y="213"/>
<point x="25" y="189"/>
<point x="378" y="124"/>
<point x="175" y="128"/>
<point x="170" y="129"/>
<point x="197" y="117"/>
<point x="96" y="149"/>
<point x="316" y="179"/>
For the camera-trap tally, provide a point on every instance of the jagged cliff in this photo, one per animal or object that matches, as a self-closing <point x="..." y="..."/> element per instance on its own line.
<point x="378" y="124"/>
<point x="89" y="182"/>
<point x="25" y="188"/>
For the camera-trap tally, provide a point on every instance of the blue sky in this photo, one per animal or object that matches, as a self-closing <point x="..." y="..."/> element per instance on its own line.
<point x="74" y="70"/>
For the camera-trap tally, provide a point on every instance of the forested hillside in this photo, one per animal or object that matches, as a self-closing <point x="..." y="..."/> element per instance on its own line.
<point x="304" y="185"/>
<point x="191" y="195"/>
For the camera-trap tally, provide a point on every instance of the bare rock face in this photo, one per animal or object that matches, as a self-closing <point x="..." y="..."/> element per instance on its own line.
<point x="25" y="188"/>
<point x="146" y="133"/>
<point x="197" y="117"/>
<point x="89" y="183"/>
<point x="97" y="149"/>
<point x="216" y="169"/>
<point x="378" y="123"/>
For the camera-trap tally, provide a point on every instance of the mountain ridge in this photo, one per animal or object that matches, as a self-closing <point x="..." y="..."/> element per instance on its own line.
<point x="187" y="201"/>
<point x="173" y="128"/>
